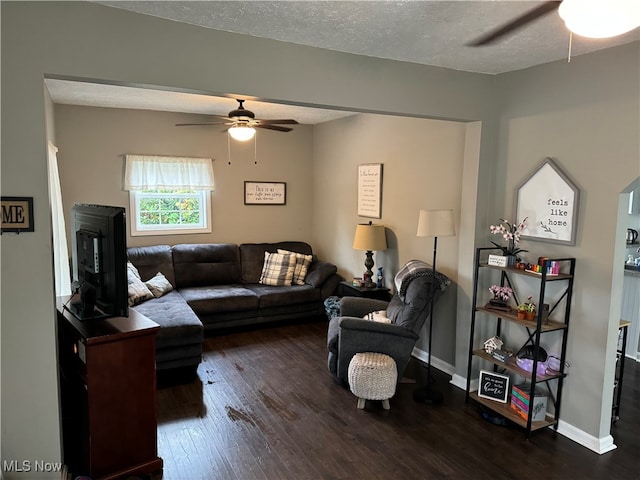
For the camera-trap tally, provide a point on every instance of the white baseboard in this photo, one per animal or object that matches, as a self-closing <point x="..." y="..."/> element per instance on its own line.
<point x="598" y="445"/>
<point x="461" y="382"/>
<point x="435" y="362"/>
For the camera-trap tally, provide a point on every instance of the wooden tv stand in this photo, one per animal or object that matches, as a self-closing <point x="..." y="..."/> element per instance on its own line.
<point x="108" y="395"/>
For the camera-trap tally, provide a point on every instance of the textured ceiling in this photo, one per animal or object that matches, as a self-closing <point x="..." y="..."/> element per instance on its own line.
<point x="426" y="32"/>
<point x="70" y="92"/>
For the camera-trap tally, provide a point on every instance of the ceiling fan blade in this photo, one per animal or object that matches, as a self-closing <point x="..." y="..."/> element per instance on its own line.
<point x="202" y="123"/>
<point x="282" y="122"/>
<point x="517" y="23"/>
<point x="274" y="127"/>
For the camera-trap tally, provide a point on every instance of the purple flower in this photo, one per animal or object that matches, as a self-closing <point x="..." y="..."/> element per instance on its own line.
<point x="501" y="293"/>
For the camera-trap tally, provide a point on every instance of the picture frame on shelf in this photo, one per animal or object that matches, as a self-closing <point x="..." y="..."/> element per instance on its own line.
<point x="370" y="190"/>
<point x="549" y="200"/>
<point x="493" y="386"/>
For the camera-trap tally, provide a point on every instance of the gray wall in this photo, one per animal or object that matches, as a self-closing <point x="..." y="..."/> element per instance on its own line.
<point x="585" y="115"/>
<point x="92" y="143"/>
<point x="80" y="39"/>
<point x="422" y="168"/>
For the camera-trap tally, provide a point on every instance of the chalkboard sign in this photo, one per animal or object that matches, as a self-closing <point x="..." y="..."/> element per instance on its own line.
<point x="493" y="386"/>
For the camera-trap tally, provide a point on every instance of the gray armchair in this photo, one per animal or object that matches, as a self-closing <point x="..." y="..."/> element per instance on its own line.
<point x="408" y="309"/>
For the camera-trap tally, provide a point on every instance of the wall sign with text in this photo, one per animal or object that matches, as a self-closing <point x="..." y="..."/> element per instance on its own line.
<point x="17" y="214"/>
<point x="493" y="386"/>
<point x="265" y="193"/>
<point x="549" y="200"/>
<point x="370" y="190"/>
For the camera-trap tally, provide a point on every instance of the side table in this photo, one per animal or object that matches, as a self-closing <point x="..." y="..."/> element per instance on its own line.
<point x="346" y="289"/>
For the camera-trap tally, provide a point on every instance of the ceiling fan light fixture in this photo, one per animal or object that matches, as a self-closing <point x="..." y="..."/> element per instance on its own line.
<point x="242" y="132"/>
<point x="600" y="18"/>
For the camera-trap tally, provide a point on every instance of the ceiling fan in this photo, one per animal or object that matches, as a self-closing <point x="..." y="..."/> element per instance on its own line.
<point x="588" y="18"/>
<point x="242" y="123"/>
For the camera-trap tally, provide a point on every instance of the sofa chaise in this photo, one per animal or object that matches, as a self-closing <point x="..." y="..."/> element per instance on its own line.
<point x="218" y="286"/>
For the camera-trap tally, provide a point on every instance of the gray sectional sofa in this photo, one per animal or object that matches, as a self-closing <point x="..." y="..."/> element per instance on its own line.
<point x="217" y="286"/>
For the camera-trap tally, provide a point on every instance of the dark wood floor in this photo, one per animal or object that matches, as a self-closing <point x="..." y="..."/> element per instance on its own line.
<point x="265" y="407"/>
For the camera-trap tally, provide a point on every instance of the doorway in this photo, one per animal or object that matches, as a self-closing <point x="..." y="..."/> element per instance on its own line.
<point x="629" y="222"/>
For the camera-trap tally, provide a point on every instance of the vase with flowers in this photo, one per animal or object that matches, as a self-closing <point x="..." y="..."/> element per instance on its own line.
<point x="500" y="295"/>
<point x="510" y="232"/>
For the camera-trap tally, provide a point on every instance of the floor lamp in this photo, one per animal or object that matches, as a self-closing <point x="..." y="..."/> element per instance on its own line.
<point x="433" y="223"/>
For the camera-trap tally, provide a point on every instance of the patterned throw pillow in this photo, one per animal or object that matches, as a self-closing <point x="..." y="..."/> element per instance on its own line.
<point x="277" y="269"/>
<point x="132" y="271"/>
<point x="159" y="285"/>
<point x="138" y="291"/>
<point x="302" y="266"/>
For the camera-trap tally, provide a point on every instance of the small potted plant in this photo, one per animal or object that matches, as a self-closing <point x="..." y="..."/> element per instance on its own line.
<point x="527" y="310"/>
<point x="500" y="295"/>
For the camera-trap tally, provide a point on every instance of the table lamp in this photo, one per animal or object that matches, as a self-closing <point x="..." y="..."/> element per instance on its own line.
<point x="369" y="237"/>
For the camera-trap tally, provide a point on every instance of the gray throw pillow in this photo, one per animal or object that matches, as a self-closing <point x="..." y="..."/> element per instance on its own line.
<point x="158" y="285"/>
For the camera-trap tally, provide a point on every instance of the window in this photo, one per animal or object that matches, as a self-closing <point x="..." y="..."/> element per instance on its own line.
<point x="169" y="195"/>
<point x="161" y="212"/>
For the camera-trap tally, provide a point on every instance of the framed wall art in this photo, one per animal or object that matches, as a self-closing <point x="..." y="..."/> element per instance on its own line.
<point x="17" y="214"/>
<point x="370" y="190"/>
<point x="265" y="193"/>
<point x="549" y="200"/>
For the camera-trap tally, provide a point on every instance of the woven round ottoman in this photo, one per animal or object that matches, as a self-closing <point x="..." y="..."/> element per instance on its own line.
<point x="373" y="376"/>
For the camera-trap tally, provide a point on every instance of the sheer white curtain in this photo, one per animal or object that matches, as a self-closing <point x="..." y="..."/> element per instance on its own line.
<point x="60" y="251"/>
<point x="151" y="172"/>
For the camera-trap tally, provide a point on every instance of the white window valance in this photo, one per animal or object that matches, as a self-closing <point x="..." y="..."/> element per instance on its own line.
<point x="152" y="172"/>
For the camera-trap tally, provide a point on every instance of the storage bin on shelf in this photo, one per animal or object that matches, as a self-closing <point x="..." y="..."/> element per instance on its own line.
<point x="521" y="402"/>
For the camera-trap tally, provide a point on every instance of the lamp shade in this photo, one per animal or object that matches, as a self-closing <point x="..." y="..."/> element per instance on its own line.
<point x="436" y="223"/>
<point x="370" y="237"/>
<point x="600" y="18"/>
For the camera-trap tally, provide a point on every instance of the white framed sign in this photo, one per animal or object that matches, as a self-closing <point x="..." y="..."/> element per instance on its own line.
<point x="370" y="190"/>
<point x="549" y="200"/>
<point x="265" y="193"/>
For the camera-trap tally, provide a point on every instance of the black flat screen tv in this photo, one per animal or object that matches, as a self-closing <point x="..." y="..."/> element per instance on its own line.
<point x="99" y="257"/>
